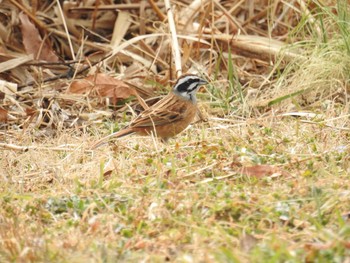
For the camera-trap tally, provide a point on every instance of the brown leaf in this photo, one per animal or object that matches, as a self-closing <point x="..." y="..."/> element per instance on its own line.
<point x="318" y="246"/>
<point x="3" y="115"/>
<point x="103" y="86"/>
<point x="261" y="170"/>
<point x="31" y="111"/>
<point x="32" y="41"/>
<point x="313" y="250"/>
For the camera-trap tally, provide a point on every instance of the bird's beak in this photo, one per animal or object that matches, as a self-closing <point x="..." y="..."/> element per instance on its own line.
<point x="203" y="82"/>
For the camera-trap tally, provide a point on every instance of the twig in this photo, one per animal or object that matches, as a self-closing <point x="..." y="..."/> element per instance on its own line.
<point x="112" y="53"/>
<point x="115" y="7"/>
<point x="199" y="170"/>
<point x="174" y="42"/>
<point x="10" y="146"/>
<point x="66" y="29"/>
<point x="208" y="180"/>
<point x="233" y="21"/>
<point x="157" y="10"/>
<point x="327" y="125"/>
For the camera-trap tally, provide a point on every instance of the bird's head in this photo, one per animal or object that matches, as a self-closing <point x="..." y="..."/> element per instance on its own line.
<point x="187" y="86"/>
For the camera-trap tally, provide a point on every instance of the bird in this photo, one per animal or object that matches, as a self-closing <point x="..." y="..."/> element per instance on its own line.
<point x="169" y="116"/>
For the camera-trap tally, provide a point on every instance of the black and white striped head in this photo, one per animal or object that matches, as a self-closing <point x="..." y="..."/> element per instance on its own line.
<point x="187" y="86"/>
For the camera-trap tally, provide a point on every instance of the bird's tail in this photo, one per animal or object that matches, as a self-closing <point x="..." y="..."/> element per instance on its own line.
<point x="105" y="139"/>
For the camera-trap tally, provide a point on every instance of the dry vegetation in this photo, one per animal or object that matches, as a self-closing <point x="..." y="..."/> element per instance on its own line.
<point x="265" y="179"/>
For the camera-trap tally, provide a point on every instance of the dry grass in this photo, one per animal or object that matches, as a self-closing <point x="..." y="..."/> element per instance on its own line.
<point x="266" y="179"/>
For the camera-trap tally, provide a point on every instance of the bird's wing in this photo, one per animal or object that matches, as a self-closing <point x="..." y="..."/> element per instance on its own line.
<point x="168" y="110"/>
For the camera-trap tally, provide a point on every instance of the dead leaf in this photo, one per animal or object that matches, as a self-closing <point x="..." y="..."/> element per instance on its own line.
<point x="8" y="90"/>
<point x="3" y="115"/>
<point x="121" y="26"/>
<point x="261" y="170"/>
<point x="31" y="111"/>
<point x="313" y="249"/>
<point x="32" y="41"/>
<point x="15" y="62"/>
<point x="318" y="246"/>
<point x="102" y="86"/>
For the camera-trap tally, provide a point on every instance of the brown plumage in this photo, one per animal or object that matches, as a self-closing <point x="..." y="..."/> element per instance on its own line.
<point x="169" y="116"/>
